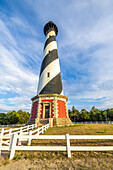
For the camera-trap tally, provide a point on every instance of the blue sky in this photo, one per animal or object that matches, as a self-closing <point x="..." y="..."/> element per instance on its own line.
<point x="85" y="48"/>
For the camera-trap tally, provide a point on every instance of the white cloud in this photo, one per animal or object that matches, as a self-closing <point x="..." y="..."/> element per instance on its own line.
<point x="15" y="77"/>
<point x="6" y="108"/>
<point x="85" y="42"/>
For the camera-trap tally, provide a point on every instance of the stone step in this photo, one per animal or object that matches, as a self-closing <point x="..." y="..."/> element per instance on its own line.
<point x="43" y="122"/>
<point x="62" y="122"/>
<point x="30" y="122"/>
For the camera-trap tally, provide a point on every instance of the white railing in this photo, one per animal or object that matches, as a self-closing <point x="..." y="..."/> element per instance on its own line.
<point x="17" y="130"/>
<point x="12" y="125"/>
<point x="37" y="131"/>
<point x="21" y="131"/>
<point x="9" y="132"/>
<point x="13" y="145"/>
<point x="94" y="122"/>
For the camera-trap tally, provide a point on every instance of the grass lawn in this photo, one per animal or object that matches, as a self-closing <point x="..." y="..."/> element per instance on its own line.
<point x="82" y="129"/>
<point x="89" y="129"/>
<point x="80" y="160"/>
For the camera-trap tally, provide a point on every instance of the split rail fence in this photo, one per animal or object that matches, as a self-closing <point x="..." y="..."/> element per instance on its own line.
<point x="13" y="145"/>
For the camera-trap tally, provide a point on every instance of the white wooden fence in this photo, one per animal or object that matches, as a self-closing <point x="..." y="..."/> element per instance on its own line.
<point x="11" y="131"/>
<point x="17" y="130"/>
<point x="12" y="125"/>
<point x="23" y="130"/>
<point x="13" y="145"/>
<point x="94" y="122"/>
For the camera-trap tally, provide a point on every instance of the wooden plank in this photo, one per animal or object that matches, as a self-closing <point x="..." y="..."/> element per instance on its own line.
<point x="91" y="136"/>
<point x="91" y="148"/>
<point x="5" y="148"/>
<point x="42" y="148"/>
<point x="42" y="136"/>
<point x="13" y="145"/>
<point x="68" y="146"/>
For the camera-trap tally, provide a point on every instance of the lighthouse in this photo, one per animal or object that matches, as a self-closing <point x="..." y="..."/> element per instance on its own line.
<point x="50" y="75"/>
<point x="50" y="105"/>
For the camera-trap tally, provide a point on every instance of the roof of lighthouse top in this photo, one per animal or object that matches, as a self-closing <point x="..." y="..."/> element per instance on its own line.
<point x="49" y="27"/>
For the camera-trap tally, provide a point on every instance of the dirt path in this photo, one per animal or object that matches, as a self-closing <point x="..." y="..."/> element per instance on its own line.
<point x="66" y="163"/>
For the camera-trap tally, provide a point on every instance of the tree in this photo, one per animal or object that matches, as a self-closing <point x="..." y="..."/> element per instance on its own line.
<point x="13" y="117"/>
<point x="74" y="114"/>
<point x="110" y="114"/>
<point x="95" y="114"/>
<point x="4" y="119"/>
<point x="23" y="116"/>
<point x="69" y="112"/>
<point x="104" y="115"/>
<point x="84" y="115"/>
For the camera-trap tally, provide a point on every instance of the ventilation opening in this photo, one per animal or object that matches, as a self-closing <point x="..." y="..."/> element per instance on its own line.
<point x="48" y="74"/>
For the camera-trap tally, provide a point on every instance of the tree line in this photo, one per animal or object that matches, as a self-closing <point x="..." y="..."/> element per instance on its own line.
<point x="93" y="115"/>
<point x="13" y="117"/>
<point x="21" y="117"/>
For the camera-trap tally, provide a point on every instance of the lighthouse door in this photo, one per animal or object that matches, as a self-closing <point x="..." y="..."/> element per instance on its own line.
<point x="47" y="111"/>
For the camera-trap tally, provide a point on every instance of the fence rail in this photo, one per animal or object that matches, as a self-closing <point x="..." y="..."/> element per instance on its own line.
<point x="6" y="137"/>
<point x="13" y="145"/>
<point x="17" y="130"/>
<point x="94" y="122"/>
<point x="12" y="125"/>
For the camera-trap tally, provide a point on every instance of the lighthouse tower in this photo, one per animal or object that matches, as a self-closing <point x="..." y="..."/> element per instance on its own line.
<point x="50" y="105"/>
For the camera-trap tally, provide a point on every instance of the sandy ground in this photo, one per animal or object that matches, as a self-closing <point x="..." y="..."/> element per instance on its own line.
<point x="63" y="163"/>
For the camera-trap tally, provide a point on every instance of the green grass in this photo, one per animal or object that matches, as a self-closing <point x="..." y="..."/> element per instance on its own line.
<point x="6" y="162"/>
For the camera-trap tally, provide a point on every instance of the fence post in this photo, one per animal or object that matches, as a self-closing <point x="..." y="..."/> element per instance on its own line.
<point x="19" y="141"/>
<point x="10" y="130"/>
<point x="29" y="140"/>
<point x="13" y="145"/>
<point x="42" y="129"/>
<point x="45" y="127"/>
<point x="68" y="146"/>
<point x="38" y="131"/>
<point x="2" y="132"/>
<point x="28" y="128"/>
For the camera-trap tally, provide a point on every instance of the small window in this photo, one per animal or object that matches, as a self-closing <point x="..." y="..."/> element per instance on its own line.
<point x="48" y="74"/>
<point x="49" y="36"/>
<point x="49" y="51"/>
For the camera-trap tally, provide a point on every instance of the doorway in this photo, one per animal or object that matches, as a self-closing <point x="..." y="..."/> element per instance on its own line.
<point x="47" y="111"/>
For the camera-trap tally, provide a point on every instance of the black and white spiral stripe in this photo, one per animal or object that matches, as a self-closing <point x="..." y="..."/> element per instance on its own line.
<point x="51" y="84"/>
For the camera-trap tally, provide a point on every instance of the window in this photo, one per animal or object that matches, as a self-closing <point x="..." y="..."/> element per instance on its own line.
<point x="48" y="74"/>
<point x="49" y="51"/>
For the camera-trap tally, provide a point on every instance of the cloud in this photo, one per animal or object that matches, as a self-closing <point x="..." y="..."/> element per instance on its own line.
<point x="85" y="42"/>
<point x="17" y="75"/>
